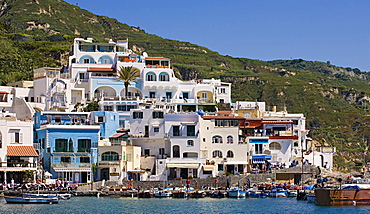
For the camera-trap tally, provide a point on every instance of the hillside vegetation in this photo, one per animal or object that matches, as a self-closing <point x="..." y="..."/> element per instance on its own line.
<point x="335" y="100"/>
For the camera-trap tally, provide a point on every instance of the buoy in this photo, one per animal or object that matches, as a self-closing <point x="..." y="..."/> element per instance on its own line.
<point x="354" y="203"/>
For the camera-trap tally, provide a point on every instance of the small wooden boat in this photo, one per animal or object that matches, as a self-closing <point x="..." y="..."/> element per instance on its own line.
<point x="218" y="194"/>
<point x="197" y="194"/>
<point x="60" y="196"/>
<point x="29" y="200"/>
<point x="257" y="194"/>
<point x="237" y="193"/>
<point x="146" y="194"/>
<point x="179" y="194"/>
<point x="278" y="193"/>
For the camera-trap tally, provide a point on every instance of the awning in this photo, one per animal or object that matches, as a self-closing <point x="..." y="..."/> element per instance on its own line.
<point x="208" y="167"/>
<point x="21" y="151"/>
<point x="72" y="170"/>
<point x="3" y="92"/>
<point x="261" y="157"/>
<point x="258" y="161"/>
<point x="183" y="165"/>
<point x="136" y="171"/>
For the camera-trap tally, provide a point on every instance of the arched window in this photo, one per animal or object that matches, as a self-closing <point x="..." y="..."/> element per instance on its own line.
<point x="275" y="146"/>
<point x="105" y="60"/>
<point x="164" y="77"/>
<point x="216" y="139"/>
<point x="230" y="139"/>
<point x="110" y="156"/>
<point x="217" y="154"/>
<point x="176" y="151"/>
<point x="86" y="60"/>
<point x="150" y="76"/>
<point x="230" y="154"/>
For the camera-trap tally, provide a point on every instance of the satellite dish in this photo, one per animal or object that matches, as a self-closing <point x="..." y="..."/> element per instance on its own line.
<point x="145" y="54"/>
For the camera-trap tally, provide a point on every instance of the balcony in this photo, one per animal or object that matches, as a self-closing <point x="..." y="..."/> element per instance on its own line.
<point x="71" y="165"/>
<point x="19" y="164"/>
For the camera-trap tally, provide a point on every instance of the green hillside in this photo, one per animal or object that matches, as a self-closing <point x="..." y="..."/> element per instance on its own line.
<point x="335" y="100"/>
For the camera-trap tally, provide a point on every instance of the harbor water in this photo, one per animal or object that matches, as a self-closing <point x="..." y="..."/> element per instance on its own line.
<point x="170" y="205"/>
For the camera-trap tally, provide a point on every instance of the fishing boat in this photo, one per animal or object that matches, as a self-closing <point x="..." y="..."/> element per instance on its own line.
<point x="60" y="196"/>
<point x="218" y="194"/>
<point x="146" y="194"/>
<point x="256" y="194"/>
<point x="197" y="194"/>
<point x="311" y="198"/>
<point x="349" y="195"/>
<point x="278" y="193"/>
<point x="162" y="193"/>
<point x="237" y="193"/>
<point x="292" y="193"/>
<point x="29" y="200"/>
<point x="179" y="194"/>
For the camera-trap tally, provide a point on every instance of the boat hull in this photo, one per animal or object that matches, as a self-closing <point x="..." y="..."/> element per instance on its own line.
<point x="28" y="200"/>
<point x="237" y="194"/>
<point x="342" y="197"/>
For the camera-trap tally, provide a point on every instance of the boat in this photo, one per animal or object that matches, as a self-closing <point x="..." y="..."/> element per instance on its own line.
<point x="349" y="195"/>
<point x="29" y="200"/>
<point x="236" y="193"/>
<point x="311" y="198"/>
<point x="197" y="194"/>
<point x="146" y="194"/>
<point x="162" y="193"/>
<point x="278" y="193"/>
<point x="292" y="193"/>
<point x="257" y="194"/>
<point x="60" y="196"/>
<point x="218" y="194"/>
<point x="179" y="194"/>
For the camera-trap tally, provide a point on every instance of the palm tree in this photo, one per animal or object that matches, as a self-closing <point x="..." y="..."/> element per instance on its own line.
<point x="127" y="75"/>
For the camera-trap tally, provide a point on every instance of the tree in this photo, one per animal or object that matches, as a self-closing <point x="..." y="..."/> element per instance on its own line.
<point x="127" y="75"/>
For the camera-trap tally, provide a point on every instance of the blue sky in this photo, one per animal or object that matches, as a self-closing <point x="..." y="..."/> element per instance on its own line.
<point x="319" y="30"/>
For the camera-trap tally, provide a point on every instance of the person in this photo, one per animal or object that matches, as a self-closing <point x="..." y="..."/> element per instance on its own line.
<point x="12" y="184"/>
<point x="248" y="183"/>
<point x="188" y="184"/>
<point x="227" y="184"/>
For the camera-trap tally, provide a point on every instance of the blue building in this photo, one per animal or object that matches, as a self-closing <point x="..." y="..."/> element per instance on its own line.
<point x="68" y="142"/>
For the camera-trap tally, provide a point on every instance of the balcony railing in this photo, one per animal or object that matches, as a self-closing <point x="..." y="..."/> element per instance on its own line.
<point x="19" y="164"/>
<point x="71" y="165"/>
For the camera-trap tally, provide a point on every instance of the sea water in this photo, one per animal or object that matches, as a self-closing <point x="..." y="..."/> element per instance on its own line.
<point x="168" y="205"/>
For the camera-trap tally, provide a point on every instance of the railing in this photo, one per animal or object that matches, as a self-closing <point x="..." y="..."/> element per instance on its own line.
<point x="19" y="164"/>
<point x="71" y="165"/>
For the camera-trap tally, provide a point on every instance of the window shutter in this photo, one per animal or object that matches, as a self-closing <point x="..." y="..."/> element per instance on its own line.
<point x="20" y="138"/>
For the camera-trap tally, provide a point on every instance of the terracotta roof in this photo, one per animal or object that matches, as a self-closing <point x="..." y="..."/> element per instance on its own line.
<point x="100" y="69"/>
<point x="223" y="117"/>
<point x="23" y="151"/>
<point x="275" y="121"/>
<point x="119" y="135"/>
<point x="224" y="112"/>
<point x="151" y="57"/>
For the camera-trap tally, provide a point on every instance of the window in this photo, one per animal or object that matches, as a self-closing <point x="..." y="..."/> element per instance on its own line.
<point x="62" y="145"/>
<point x="65" y="159"/>
<point x="220" y="167"/>
<point x="137" y="115"/>
<point x="217" y="154"/>
<point x="101" y="119"/>
<point x="150" y="77"/>
<point x="204" y="95"/>
<point x="157" y="114"/>
<point x="86" y="61"/>
<point x="275" y="146"/>
<point x="185" y="95"/>
<point x="110" y="156"/>
<point x="176" y="151"/>
<point x="222" y="90"/>
<point x="168" y="95"/>
<point x="108" y="108"/>
<point x="58" y="119"/>
<point x="258" y="148"/>
<point x="121" y="107"/>
<point x="190" y="130"/>
<point x="176" y="130"/>
<point x="190" y="143"/>
<point x="147" y="152"/>
<point x="156" y="129"/>
<point x="146" y="131"/>
<point x="217" y="139"/>
<point x="230" y="154"/>
<point x="84" y="145"/>
<point x="85" y="159"/>
<point x="1" y="140"/>
<point x="122" y="123"/>
<point x="151" y="94"/>
<point x="230" y="139"/>
<point x="164" y="77"/>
